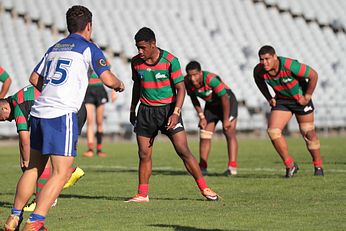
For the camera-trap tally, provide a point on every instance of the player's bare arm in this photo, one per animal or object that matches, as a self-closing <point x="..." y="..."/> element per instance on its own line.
<point x="112" y="81"/>
<point x="5" y="87"/>
<point x="24" y="148"/>
<point x="313" y="77"/>
<point x="225" y="108"/>
<point x="262" y="86"/>
<point x="36" y="80"/>
<point x="174" y="118"/>
<point x="136" y="91"/>
<point x="195" y="102"/>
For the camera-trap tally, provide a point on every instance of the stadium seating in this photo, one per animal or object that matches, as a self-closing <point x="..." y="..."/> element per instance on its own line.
<point x="223" y="35"/>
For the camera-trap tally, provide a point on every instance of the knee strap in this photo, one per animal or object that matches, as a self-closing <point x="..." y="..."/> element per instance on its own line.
<point x="206" y="134"/>
<point x="304" y="129"/>
<point x="274" y="133"/>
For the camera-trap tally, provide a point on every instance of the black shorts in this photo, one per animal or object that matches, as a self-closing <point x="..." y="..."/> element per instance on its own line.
<point x="96" y="95"/>
<point x="82" y="116"/>
<point x="292" y="106"/>
<point x="151" y="119"/>
<point x="214" y="113"/>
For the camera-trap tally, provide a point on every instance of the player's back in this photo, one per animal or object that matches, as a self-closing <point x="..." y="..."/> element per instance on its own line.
<point x="65" y="68"/>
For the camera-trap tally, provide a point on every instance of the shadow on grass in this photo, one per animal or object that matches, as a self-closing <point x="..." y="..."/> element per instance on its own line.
<point x="5" y="204"/>
<point x="154" y="172"/>
<point x="113" y="198"/>
<point x="188" y="228"/>
<point x="254" y="175"/>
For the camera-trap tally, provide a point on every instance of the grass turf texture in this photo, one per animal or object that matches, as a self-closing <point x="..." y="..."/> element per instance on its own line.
<point x="258" y="198"/>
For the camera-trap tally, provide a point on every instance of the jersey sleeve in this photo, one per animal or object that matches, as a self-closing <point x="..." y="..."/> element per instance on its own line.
<point x="188" y="86"/>
<point x="98" y="60"/>
<point x="21" y="120"/>
<point x="217" y="86"/>
<point x="297" y="68"/>
<point x="176" y="74"/>
<point x="135" y="74"/>
<point x="3" y="75"/>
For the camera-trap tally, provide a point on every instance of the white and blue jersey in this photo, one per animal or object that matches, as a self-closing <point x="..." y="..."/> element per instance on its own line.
<point x="65" y="68"/>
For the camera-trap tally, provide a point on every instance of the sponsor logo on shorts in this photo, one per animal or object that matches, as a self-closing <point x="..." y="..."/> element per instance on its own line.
<point x="307" y="108"/>
<point x="179" y="125"/>
<point x="103" y="100"/>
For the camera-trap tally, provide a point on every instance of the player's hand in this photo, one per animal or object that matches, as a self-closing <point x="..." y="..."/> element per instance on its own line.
<point x="226" y="124"/>
<point x="272" y="102"/>
<point x="24" y="163"/>
<point x="133" y="118"/>
<point x="172" y="121"/>
<point x="202" y="123"/>
<point x="114" y="96"/>
<point x="304" y="100"/>
<point x="121" y="87"/>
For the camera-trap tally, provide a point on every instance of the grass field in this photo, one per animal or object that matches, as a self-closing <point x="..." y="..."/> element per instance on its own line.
<point x="259" y="198"/>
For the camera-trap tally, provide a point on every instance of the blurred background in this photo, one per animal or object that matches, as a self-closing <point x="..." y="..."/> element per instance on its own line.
<point x="223" y="35"/>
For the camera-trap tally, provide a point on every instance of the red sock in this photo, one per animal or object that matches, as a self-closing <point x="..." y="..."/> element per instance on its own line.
<point x="143" y="189"/>
<point x="318" y="163"/>
<point x="42" y="180"/>
<point x="289" y="162"/>
<point x="232" y="164"/>
<point x="202" y="184"/>
<point x="99" y="147"/>
<point x="73" y="168"/>
<point x="203" y="164"/>
<point x="91" y="146"/>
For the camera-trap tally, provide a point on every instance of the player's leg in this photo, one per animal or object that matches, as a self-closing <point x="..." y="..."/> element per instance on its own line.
<point x="90" y="129"/>
<point x="145" y="151"/>
<point x="25" y="188"/>
<point x="206" y="135"/>
<point x="61" y="166"/>
<point x="307" y="129"/>
<point x="179" y="141"/>
<point x="99" y="129"/>
<point x="277" y="121"/>
<point x="41" y="181"/>
<point x="232" y="148"/>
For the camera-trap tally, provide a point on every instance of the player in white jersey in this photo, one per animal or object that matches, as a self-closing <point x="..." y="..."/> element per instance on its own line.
<point x="62" y="75"/>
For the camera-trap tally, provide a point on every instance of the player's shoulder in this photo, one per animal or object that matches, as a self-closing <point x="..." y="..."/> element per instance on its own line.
<point x="168" y="56"/>
<point x="286" y="62"/>
<point x="136" y="59"/>
<point x="259" y="70"/>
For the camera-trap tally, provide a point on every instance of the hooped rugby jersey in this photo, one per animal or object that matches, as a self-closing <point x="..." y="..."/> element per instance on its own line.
<point x="65" y="68"/>
<point x="3" y="75"/>
<point x="21" y="104"/>
<point x="157" y="80"/>
<point x="290" y="82"/>
<point x="211" y="90"/>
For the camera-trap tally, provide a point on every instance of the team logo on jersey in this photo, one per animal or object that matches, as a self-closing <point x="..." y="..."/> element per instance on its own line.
<point x="101" y="63"/>
<point x="287" y="80"/>
<point x="208" y="92"/>
<point x="160" y="76"/>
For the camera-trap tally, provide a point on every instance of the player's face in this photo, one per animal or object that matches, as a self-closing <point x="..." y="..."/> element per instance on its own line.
<point x="268" y="61"/>
<point x="145" y="49"/>
<point x="195" y="77"/>
<point x="4" y="113"/>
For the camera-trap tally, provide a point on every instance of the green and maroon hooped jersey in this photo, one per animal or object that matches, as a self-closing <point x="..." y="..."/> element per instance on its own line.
<point x="289" y="82"/>
<point x="94" y="80"/>
<point x="3" y="75"/>
<point x="22" y="102"/>
<point x="157" y="80"/>
<point x="211" y="90"/>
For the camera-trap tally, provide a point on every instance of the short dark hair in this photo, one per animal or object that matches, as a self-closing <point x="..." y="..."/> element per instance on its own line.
<point x="145" y="34"/>
<point x="193" y="65"/>
<point x="77" y="17"/>
<point x="266" y="50"/>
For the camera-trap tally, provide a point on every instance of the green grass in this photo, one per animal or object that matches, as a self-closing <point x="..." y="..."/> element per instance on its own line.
<point x="259" y="198"/>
